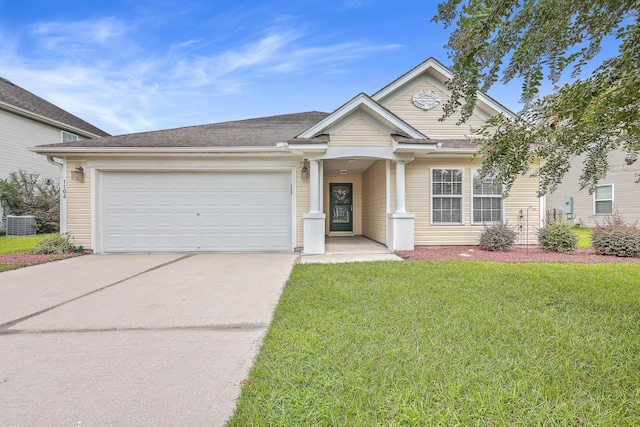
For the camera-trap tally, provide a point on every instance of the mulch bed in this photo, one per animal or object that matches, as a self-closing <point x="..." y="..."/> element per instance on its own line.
<point x="516" y="254"/>
<point x="28" y="258"/>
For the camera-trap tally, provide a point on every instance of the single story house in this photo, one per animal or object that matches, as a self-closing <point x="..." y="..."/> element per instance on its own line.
<point x="382" y="166"/>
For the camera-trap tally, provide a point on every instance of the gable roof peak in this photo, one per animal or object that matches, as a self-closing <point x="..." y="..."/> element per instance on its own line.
<point x="442" y="73"/>
<point x="364" y="102"/>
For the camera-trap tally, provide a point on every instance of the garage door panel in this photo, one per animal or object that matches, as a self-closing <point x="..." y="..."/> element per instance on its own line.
<point x="279" y="239"/>
<point x="257" y="220"/>
<point x="232" y="199"/>
<point x="257" y="198"/>
<point x="162" y="220"/>
<point x="204" y="211"/>
<point x="281" y="221"/>
<point x="279" y="198"/>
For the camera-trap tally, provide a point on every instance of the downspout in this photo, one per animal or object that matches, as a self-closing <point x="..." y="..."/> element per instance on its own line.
<point x="63" y="193"/>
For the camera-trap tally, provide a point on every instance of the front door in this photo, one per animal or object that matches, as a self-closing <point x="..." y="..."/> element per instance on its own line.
<point x="341" y="205"/>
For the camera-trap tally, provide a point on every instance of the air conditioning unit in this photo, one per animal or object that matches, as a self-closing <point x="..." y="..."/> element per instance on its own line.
<point x="23" y="225"/>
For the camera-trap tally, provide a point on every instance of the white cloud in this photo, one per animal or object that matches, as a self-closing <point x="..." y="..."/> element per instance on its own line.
<point x="72" y="35"/>
<point x="108" y="79"/>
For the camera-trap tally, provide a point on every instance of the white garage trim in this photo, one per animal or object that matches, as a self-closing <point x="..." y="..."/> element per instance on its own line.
<point x="190" y="211"/>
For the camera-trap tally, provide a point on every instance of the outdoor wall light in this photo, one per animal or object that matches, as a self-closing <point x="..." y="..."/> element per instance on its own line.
<point x="77" y="174"/>
<point x="304" y="170"/>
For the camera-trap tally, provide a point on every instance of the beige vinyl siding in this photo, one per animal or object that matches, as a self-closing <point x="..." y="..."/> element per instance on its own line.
<point x="374" y="202"/>
<point x="356" y="180"/>
<point x="426" y="121"/>
<point x="302" y="206"/>
<point x="523" y="196"/>
<point x="360" y="132"/>
<point x="418" y="182"/>
<point x="625" y="191"/>
<point x="418" y="188"/>
<point x="79" y="205"/>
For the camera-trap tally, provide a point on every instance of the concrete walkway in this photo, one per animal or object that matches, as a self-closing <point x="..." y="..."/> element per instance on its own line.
<point x="350" y="249"/>
<point x="118" y="340"/>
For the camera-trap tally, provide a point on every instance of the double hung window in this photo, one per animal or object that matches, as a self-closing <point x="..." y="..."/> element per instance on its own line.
<point x="486" y="199"/>
<point x="603" y="199"/>
<point x="446" y="196"/>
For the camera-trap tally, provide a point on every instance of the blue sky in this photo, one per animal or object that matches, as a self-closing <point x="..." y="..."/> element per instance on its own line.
<point x="135" y="65"/>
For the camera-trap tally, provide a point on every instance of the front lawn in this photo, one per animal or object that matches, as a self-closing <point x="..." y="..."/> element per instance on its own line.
<point x="14" y="244"/>
<point x="452" y="343"/>
<point x="17" y="244"/>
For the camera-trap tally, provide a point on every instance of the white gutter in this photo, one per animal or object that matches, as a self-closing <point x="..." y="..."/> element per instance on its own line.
<point x="156" y="150"/>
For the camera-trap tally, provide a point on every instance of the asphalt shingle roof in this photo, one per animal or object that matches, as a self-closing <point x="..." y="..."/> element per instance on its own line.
<point x="260" y="132"/>
<point x="16" y="96"/>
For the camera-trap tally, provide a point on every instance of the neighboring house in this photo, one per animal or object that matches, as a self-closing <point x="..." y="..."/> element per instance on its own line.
<point x="27" y="120"/>
<point x="381" y="166"/>
<point x="618" y="190"/>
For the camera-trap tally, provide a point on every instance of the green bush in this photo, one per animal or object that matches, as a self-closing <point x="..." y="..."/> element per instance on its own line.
<point x="56" y="244"/>
<point x="498" y="237"/>
<point x="616" y="237"/>
<point x="24" y="193"/>
<point x="557" y="237"/>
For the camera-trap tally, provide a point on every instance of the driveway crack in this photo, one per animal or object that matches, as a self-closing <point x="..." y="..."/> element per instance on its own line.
<point x="4" y="326"/>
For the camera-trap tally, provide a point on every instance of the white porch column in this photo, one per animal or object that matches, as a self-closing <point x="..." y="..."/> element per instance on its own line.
<point x="314" y="221"/>
<point x="400" y="224"/>
<point x="314" y="187"/>
<point x="400" y="187"/>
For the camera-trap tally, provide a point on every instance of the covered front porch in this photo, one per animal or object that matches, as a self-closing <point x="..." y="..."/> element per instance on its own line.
<point x="357" y="196"/>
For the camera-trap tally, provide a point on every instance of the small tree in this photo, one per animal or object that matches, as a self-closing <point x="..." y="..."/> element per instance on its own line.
<point x="23" y="193"/>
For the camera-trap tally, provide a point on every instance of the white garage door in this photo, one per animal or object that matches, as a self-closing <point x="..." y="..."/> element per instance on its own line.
<point x="199" y="211"/>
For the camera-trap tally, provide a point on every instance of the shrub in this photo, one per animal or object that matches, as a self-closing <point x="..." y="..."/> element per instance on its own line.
<point x="56" y="244"/>
<point x="557" y="237"/>
<point x="497" y="237"/>
<point x="616" y="237"/>
<point x="24" y="193"/>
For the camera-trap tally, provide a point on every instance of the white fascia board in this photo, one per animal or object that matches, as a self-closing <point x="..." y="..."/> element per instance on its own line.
<point x="342" y="152"/>
<point x="454" y="151"/>
<point x="47" y="121"/>
<point x="157" y="150"/>
<point x="351" y="106"/>
<point x="440" y="68"/>
<point x="309" y="148"/>
<point x="429" y="63"/>
<point x="401" y="147"/>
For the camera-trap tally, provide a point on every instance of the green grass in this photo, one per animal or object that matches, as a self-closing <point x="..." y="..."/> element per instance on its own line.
<point x="454" y="343"/>
<point x="13" y="244"/>
<point x="584" y="236"/>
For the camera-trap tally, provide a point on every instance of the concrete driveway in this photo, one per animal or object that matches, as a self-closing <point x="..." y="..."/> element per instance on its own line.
<point x="153" y="339"/>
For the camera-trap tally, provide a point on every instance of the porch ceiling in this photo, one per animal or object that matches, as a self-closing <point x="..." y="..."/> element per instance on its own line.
<point x="352" y="166"/>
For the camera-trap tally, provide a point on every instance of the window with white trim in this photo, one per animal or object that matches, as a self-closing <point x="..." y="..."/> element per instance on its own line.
<point x="603" y="199"/>
<point x="486" y="199"/>
<point x="68" y="136"/>
<point x="446" y="196"/>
